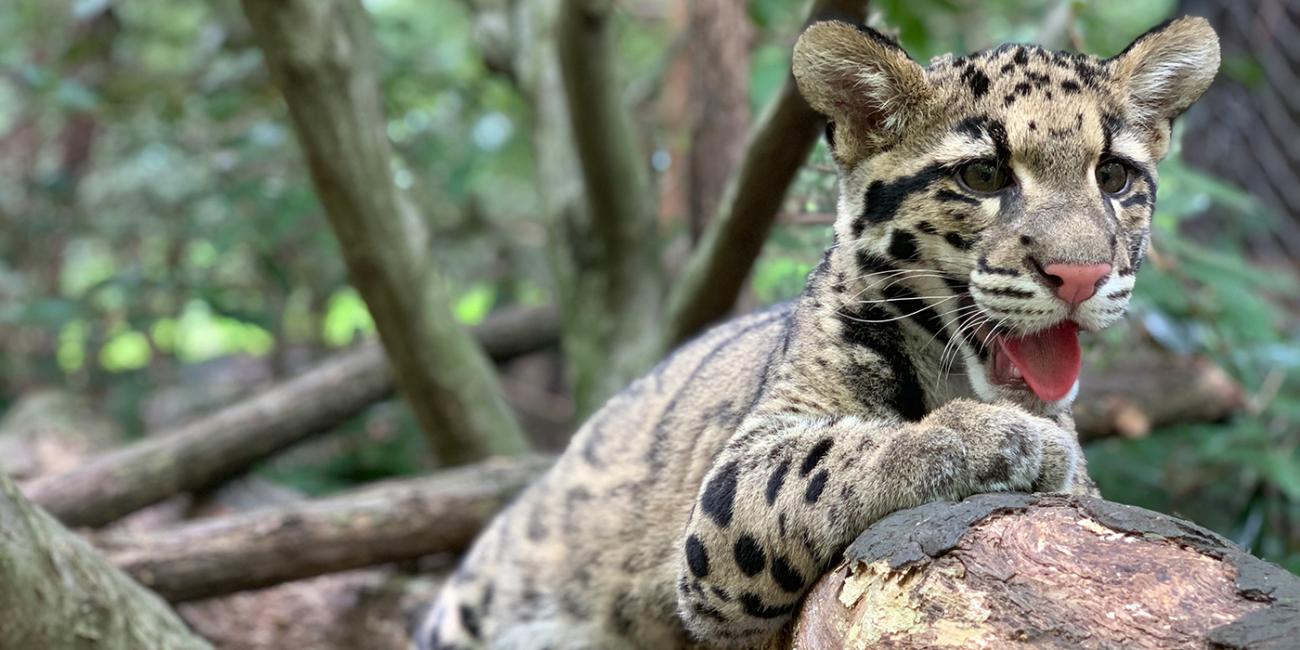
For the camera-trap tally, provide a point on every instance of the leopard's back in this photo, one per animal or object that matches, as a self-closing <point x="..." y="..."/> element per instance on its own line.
<point x="578" y="560"/>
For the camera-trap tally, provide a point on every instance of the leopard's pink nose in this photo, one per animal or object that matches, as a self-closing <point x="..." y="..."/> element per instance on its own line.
<point x="1075" y="283"/>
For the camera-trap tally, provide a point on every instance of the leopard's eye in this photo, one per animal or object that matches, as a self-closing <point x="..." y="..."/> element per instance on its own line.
<point x="984" y="176"/>
<point x="1112" y="176"/>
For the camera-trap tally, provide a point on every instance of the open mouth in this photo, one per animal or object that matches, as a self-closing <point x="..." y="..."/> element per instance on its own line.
<point x="1046" y="361"/>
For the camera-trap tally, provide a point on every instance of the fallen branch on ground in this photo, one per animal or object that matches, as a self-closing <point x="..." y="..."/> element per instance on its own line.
<point x="223" y="444"/>
<point x="388" y="522"/>
<point x="1140" y="392"/>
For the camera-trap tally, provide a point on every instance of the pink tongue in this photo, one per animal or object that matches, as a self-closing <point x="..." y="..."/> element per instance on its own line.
<point x="1049" y="360"/>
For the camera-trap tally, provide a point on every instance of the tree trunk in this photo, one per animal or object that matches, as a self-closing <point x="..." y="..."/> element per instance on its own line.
<point x="321" y="56"/>
<point x="1047" y="571"/>
<point x="388" y="522"/>
<point x="718" y="104"/>
<point x="214" y="448"/>
<point x="714" y="275"/>
<point x="57" y="592"/>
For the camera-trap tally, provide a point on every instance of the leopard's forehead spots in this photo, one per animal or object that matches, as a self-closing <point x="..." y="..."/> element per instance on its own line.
<point x="1055" y="112"/>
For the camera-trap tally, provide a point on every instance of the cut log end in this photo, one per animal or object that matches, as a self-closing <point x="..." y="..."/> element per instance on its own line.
<point x="1051" y="571"/>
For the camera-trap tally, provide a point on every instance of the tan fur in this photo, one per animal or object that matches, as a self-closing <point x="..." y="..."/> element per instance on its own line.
<point x="695" y="509"/>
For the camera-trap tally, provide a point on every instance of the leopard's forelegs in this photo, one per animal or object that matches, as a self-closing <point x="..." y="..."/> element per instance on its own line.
<point x="789" y="492"/>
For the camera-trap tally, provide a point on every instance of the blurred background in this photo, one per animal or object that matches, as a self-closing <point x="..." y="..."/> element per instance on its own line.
<point x="165" y="255"/>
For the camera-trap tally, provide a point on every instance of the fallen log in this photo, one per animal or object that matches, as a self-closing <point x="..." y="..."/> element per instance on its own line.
<point x="223" y="444"/>
<point x="1047" y="571"/>
<point x="57" y="592"/>
<point x="387" y="522"/>
<point x="1139" y="392"/>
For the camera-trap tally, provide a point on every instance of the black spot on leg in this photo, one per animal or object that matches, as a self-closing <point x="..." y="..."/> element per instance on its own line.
<point x="815" y="456"/>
<point x="775" y="481"/>
<point x="927" y="228"/>
<point x="816" y="486"/>
<point x="697" y="559"/>
<point x="1070" y="86"/>
<point x="786" y="576"/>
<point x="755" y="607"/>
<point x="1021" y="57"/>
<point x="749" y="555"/>
<point x="720" y="496"/>
<point x="708" y="611"/>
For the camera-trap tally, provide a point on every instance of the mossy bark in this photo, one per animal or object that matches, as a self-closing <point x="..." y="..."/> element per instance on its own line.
<point x="57" y="592"/>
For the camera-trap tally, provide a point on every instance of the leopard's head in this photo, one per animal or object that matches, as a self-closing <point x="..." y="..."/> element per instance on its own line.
<point x="1010" y="190"/>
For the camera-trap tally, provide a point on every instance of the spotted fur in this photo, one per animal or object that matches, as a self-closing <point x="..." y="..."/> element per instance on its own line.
<point x="697" y="507"/>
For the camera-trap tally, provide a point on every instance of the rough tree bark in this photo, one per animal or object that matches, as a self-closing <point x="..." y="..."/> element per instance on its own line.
<point x="388" y="522"/>
<point x="777" y="148"/>
<point x="321" y="57"/>
<point x="225" y="443"/>
<point x="1047" y="571"/>
<point x="57" y="592"/>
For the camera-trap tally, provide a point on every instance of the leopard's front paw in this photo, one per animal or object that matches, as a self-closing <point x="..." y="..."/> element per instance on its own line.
<point x="1009" y="449"/>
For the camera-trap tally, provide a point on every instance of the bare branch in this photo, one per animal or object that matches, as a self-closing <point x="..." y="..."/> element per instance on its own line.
<point x="223" y="444"/>
<point x="387" y="522"/>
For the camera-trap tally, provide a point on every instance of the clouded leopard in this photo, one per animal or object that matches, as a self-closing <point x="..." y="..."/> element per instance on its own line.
<point x="992" y="207"/>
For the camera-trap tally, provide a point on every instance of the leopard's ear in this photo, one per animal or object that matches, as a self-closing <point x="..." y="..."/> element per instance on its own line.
<point x="1167" y="69"/>
<point x="863" y="82"/>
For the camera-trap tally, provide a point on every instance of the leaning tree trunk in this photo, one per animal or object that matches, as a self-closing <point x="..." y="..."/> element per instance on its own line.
<point x="1047" y="571"/>
<point x="57" y="592"/>
<point x="321" y="57"/>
